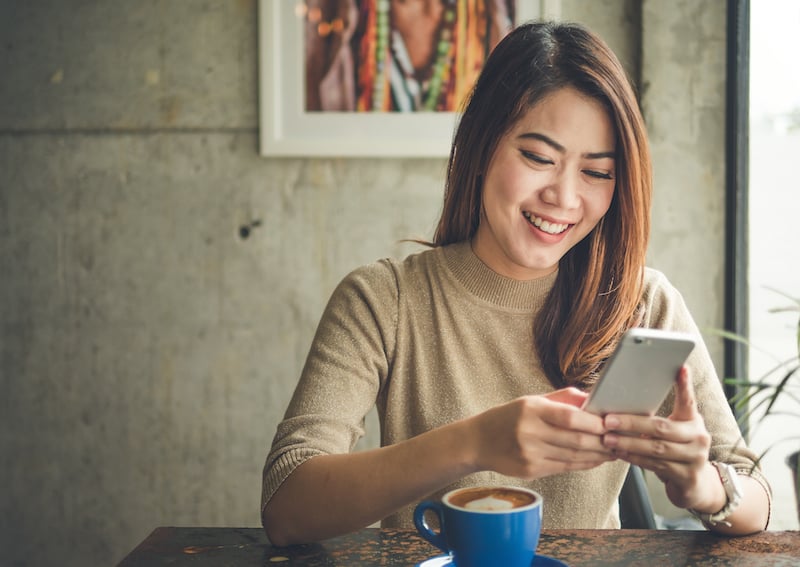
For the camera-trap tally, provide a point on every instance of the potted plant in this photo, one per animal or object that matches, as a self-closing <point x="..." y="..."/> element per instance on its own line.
<point x="776" y="392"/>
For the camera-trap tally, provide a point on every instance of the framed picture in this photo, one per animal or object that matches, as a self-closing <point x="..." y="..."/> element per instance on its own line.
<point x="298" y="117"/>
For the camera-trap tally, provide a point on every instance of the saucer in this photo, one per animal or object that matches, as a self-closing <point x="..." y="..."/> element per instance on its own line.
<point x="447" y="561"/>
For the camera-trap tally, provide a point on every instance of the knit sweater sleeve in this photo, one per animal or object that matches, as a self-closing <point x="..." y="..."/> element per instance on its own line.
<point x="347" y="363"/>
<point x="665" y="308"/>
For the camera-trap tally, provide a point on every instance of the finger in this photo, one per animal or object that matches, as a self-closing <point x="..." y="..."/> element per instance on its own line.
<point x="594" y="453"/>
<point x="637" y="426"/>
<point x="691" y="449"/>
<point x="571" y="396"/>
<point x="572" y="418"/>
<point x="685" y="408"/>
<point x="572" y="442"/>
<point x="626" y="446"/>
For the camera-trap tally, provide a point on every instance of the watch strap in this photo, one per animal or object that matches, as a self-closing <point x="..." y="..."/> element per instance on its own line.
<point x="733" y="493"/>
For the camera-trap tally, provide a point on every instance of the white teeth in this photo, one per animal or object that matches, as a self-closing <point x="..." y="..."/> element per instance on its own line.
<point x="546" y="226"/>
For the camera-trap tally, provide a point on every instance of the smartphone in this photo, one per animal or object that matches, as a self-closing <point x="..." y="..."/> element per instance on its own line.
<point x="639" y="374"/>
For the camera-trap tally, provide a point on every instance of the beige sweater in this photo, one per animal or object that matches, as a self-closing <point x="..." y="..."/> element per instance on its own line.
<point x="438" y="337"/>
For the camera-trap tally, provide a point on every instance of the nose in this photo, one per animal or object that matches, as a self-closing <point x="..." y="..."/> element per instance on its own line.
<point x="563" y="191"/>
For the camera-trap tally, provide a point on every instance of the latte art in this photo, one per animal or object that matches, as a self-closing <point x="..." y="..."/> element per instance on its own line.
<point x="489" y="503"/>
<point x="491" y="499"/>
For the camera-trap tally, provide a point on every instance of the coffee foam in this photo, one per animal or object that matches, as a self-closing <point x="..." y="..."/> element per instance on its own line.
<point x="489" y="503"/>
<point x="491" y="498"/>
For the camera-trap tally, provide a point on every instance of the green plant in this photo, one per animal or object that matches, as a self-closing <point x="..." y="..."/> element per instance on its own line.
<point x="760" y="396"/>
<point x="773" y="392"/>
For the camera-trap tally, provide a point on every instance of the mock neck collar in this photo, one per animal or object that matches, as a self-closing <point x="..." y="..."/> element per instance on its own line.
<point x="483" y="282"/>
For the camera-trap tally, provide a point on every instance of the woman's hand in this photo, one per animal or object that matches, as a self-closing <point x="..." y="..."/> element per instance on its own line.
<point x="674" y="448"/>
<point x="537" y="436"/>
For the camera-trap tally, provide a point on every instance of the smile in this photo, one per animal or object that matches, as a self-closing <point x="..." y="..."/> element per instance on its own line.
<point x="545" y="226"/>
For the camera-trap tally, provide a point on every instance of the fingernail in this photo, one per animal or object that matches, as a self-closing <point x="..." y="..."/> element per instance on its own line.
<point x="612" y="422"/>
<point x="610" y="440"/>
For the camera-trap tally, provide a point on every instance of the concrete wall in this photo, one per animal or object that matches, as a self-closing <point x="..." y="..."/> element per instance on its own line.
<point x="683" y="99"/>
<point x="148" y="349"/>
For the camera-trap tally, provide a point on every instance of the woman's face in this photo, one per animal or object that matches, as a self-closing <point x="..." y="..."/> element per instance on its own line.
<point x="548" y="184"/>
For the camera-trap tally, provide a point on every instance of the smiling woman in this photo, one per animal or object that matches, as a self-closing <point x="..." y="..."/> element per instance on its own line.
<point x="479" y="352"/>
<point x="549" y="183"/>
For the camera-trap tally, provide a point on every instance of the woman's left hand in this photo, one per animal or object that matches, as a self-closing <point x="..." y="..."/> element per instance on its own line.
<point x="674" y="448"/>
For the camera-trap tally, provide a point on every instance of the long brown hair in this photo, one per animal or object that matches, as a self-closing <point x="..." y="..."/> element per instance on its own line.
<point x="599" y="282"/>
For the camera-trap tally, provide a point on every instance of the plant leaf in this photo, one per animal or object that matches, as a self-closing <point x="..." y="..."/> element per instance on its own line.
<point x="784" y="294"/>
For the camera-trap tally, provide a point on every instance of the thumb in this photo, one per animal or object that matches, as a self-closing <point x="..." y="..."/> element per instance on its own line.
<point x="685" y="405"/>
<point x="572" y="396"/>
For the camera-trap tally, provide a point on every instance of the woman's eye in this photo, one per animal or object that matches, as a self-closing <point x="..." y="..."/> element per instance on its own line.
<point x="597" y="174"/>
<point x="537" y="158"/>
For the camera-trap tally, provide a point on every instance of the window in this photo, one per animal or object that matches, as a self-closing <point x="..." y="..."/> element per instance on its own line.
<point x="773" y="230"/>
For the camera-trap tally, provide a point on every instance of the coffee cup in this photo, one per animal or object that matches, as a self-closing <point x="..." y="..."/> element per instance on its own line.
<point x="485" y="526"/>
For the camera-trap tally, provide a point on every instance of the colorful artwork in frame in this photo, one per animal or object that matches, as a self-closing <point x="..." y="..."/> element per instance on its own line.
<point x="380" y="78"/>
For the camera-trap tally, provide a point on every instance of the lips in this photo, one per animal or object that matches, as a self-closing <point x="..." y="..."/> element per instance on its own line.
<point x="545" y="226"/>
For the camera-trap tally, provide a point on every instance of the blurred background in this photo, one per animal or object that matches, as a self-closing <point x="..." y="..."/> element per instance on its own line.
<point x="162" y="281"/>
<point x="774" y="234"/>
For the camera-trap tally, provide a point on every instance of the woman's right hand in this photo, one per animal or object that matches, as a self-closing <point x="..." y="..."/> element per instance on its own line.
<point x="530" y="437"/>
<point x="538" y="436"/>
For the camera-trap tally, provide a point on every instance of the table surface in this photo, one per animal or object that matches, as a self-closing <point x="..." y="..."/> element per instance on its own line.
<point x="244" y="547"/>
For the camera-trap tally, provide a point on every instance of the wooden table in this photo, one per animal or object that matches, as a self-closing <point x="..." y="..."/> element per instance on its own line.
<point x="243" y="547"/>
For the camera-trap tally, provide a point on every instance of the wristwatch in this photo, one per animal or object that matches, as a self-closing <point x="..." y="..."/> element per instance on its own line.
<point x="733" y="491"/>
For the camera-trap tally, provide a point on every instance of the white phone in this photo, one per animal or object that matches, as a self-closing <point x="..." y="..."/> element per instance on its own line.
<point x="639" y="374"/>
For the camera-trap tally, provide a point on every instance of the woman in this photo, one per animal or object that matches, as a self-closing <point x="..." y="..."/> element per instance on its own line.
<point x="479" y="352"/>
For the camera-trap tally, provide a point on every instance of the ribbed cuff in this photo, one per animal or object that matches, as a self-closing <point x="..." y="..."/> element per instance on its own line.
<point x="280" y="469"/>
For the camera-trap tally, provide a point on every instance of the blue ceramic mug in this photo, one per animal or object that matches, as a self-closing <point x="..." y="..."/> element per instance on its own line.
<point x="485" y="526"/>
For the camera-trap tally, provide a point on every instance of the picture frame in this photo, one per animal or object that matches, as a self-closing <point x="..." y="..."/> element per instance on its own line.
<point x="287" y="130"/>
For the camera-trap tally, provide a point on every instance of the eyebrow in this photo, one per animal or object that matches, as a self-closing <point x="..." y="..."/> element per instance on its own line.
<point x="561" y="149"/>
